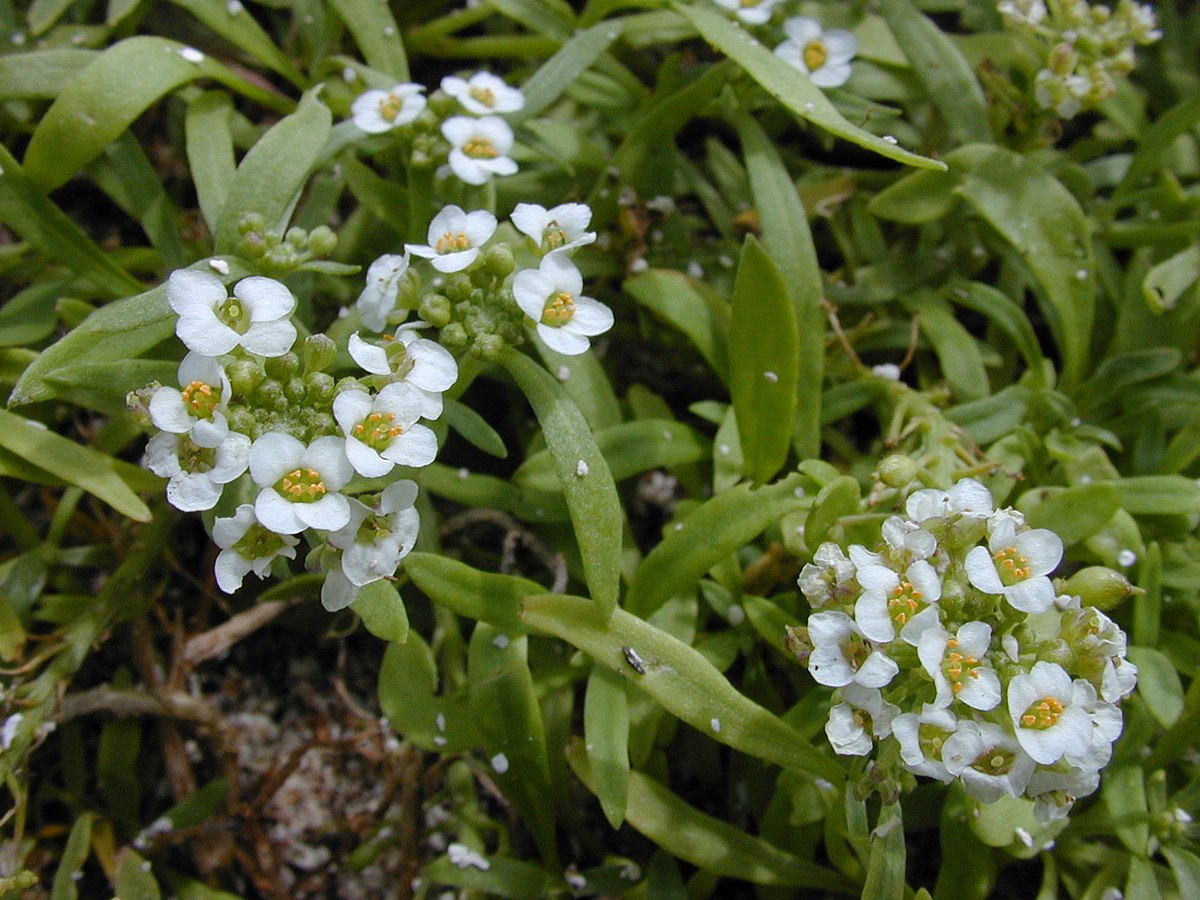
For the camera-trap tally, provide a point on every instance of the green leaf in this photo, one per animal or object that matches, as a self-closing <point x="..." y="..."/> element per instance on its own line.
<point x="1031" y="210"/>
<point x="26" y="209"/>
<point x="1186" y="867"/>
<point x="73" y="463"/>
<point x="240" y="28"/>
<point x="789" y="244"/>
<point x="375" y="31"/>
<point x="1160" y="495"/>
<point x="382" y="611"/>
<point x="507" y="714"/>
<point x="42" y="74"/>
<point x="1124" y="793"/>
<point x="29" y="316"/>
<point x="483" y="596"/>
<point x="763" y="362"/>
<point x="124" y="172"/>
<point x="558" y="72"/>
<point x="917" y="198"/>
<point x="104" y="99"/>
<point x="210" y="152"/>
<point x="957" y="353"/>
<point x="885" y="866"/>
<point x="552" y="18"/>
<point x="74" y="854"/>
<point x="679" y="678"/>
<point x="712" y="531"/>
<point x="788" y="85"/>
<point x="1171" y="279"/>
<point x="836" y="499"/>
<point x="586" y="383"/>
<point x="587" y="483"/>
<point x="1005" y="315"/>
<point x="133" y="882"/>
<point x="1158" y="684"/>
<point x="503" y="877"/>
<point x="606" y="734"/>
<point x="629" y="448"/>
<point x="1074" y="513"/>
<point x="474" y="428"/>
<point x="408" y="679"/>
<point x="274" y="170"/>
<point x="715" y="846"/>
<point x="703" y="318"/>
<point x="1157" y="142"/>
<point x="940" y="67"/>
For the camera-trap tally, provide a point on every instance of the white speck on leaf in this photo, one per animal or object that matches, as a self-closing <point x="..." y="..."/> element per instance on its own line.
<point x="581" y="468"/>
<point x="500" y="763"/>
<point x="500" y="641"/>
<point x="192" y="55"/>
<point x="716" y="724"/>
<point x="771" y="377"/>
<point x="219" y="266"/>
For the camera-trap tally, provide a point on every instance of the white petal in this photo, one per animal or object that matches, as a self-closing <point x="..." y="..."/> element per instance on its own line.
<point x="370" y="357"/>
<point x="458" y="130"/>
<point x="1042" y="547"/>
<point x="831" y="75"/>
<point x="265" y="298"/>
<point x="328" y="456"/>
<point x="271" y="338"/>
<point x="275" y="513"/>
<point x="416" y="447"/>
<point x="840" y="46"/>
<point x="193" y="491"/>
<point x="329" y="513"/>
<point x="871" y="614"/>
<point x="455" y="262"/>
<point x="337" y="592"/>
<point x="802" y="29"/>
<point x="168" y="412"/>
<point x="468" y="169"/>
<point x="228" y="530"/>
<point x="366" y="461"/>
<point x="876" y="671"/>
<point x="531" y="220"/>
<point x="922" y="576"/>
<point x="982" y="691"/>
<point x="204" y="333"/>
<point x="233" y="457"/>
<point x="162" y="454"/>
<point x="434" y="367"/>
<point x="971" y="498"/>
<point x="350" y="407"/>
<point x="981" y="571"/>
<point x="564" y="275"/>
<point x="230" y="569"/>
<point x="591" y="317"/>
<point x="190" y="290"/>
<point x="1034" y="595"/>
<point x="531" y="288"/>
<point x="272" y="456"/>
<point x="560" y="340"/>
<point x="878" y="579"/>
<point x="210" y="433"/>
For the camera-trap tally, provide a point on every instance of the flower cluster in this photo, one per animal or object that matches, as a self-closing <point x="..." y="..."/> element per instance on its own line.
<point x="1089" y="47"/>
<point x="476" y="141"/>
<point x="950" y="640"/>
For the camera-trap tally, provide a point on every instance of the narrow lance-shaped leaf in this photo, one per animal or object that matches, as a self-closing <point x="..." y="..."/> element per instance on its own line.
<point x="382" y="611"/>
<point x="210" y="152"/>
<point x="558" y="72"/>
<point x="484" y="596"/>
<point x="885" y="868"/>
<point x="715" y="529"/>
<point x="375" y="32"/>
<point x="679" y="678"/>
<point x="788" y="241"/>
<point x="606" y="732"/>
<point x="587" y="483"/>
<point x="709" y="843"/>
<point x="240" y="28"/>
<point x="271" y="174"/>
<point x="788" y="85"/>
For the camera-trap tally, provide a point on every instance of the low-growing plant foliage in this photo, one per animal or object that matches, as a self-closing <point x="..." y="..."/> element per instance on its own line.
<point x="647" y="448"/>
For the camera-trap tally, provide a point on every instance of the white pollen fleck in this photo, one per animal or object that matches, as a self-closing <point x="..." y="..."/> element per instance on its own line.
<point x="695" y="270"/>
<point x="667" y="436"/>
<point x="465" y="858"/>
<point x="639" y="265"/>
<point x="771" y="377"/>
<point x="349" y="75"/>
<point x="1081" y="275"/>
<point x="799" y="492"/>
<point x="18" y="39"/>
<point x="439" y="740"/>
<point x="576" y="882"/>
<point x="219" y="266"/>
<point x="724" y="449"/>
<point x="736" y="615"/>
<point x="725" y="260"/>
<point x="192" y="55"/>
<point x="464" y="474"/>
<point x="1023" y="836"/>
<point x="500" y="763"/>
<point x="440" y="721"/>
<point x="389" y="30"/>
<point x="145" y="867"/>
<point x="8" y="732"/>
<point x="500" y="641"/>
<point x="809" y="107"/>
<point x="233" y="7"/>
<point x="563" y="373"/>
<point x="715" y="723"/>
<point x="581" y="468"/>
<point x="1126" y="558"/>
<point x="890" y="139"/>
<point x="679" y="526"/>
<point x="886" y="371"/>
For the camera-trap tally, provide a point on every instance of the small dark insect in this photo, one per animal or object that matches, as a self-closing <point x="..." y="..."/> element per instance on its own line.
<point x="634" y="660"/>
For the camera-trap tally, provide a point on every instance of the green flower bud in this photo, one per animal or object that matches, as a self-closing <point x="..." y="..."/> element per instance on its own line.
<point x="454" y="336"/>
<point x="499" y="260"/>
<point x="252" y="245"/>
<point x="251" y="221"/>
<point x="244" y="376"/>
<point x="318" y="352"/>
<point x="349" y="383"/>
<point x="242" y="421"/>
<point x="282" y="367"/>
<point x="318" y="387"/>
<point x="269" y="395"/>
<point x="434" y="309"/>
<point x="322" y="240"/>
<point x="458" y="287"/>
<point x="488" y="346"/>
<point x="297" y="237"/>
<point x="897" y="471"/>
<point x="321" y="423"/>
<point x="797" y="642"/>
<point x="1098" y="586"/>
<point x="138" y="404"/>
<point x="294" y="389"/>
<point x="442" y="104"/>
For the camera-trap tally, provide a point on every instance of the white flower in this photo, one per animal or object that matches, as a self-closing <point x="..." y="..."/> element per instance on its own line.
<point x="1054" y="792"/>
<point x="968" y="498"/>
<point x="922" y="736"/>
<point x="378" y="297"/>
<point x="841" y="654"/>
<point x="1018" y="13"/>
<point x="256" y="317"/>
<point x="426" y="365"/>
<point x="378" y="111"/>
<point x="377" y="537"/>
<point x="455" y="238"/>
<point x="1047" y="710"/>
<point x="908" y="538"/>
<point x="338" y="591"/>
<point x="479" y="147"/>
<point x="889" y="603"/>
<point x="197" y="474"/>
<point x="823" y="55"/>
<point x="752" y="12"/>
<point x="988" y="760"/>
<point x="483" y="93"/>
<point x="1016" y="565"/>
<point x="198" y="409"/>
<point x="246" y="546"/>
<point x="560" y="228"/>
<point x="827" y="576"/>
<point x="550" y="296"/>
<point x="299" y="484"/>
<point x="957" y="665"/>
<point x="852" y="723"/>
<point x="382" y="432"/>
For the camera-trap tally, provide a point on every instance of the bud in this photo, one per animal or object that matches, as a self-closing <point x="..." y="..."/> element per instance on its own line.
<point x="297" y="237"/>
<point x="454" y="336"/>
<point x="138" y="404"/>
<point x="269" y="394"/>
<point x="897" y="471"/>
<point x="434" y="309"/>
<point x="1099" y="586"/>
<point x="322" y="240"/>
<point x="321" y="423"/>
<point x="294" y="389"/>
<point x="244" y="376"/>
<point x="252" y="245"/>
<point x="499" y="260"/>
<point x="251" y="221"/>
<point x="284" y="366"/>
<point x="1062" y="59"/>
<point x="318" y="352"/>
<point x="458" y="287"/>
<point x="396" y="354"/>
<point x="242" y="421"/>
<point x="797" y="642"/>
<point x="488" y="346"/>
<point x="318" y="387"/>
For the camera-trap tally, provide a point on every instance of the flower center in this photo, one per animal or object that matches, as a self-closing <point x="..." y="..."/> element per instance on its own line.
<point x="996" y="761"/>
<point x="302" y="486"/>
<point x="480" y="148"/>
<point x="958" y="666"/>
<point x="194" y="458"/>
<point x="855" y="651"/>
<point x="931" y="738"/>
<point x="452" y="242"/>
<point x="374" y="528"/>
<point x="1012" y="566"/>
<point x="258" y="542"/>
<point x="814" y="55"/>
<point x="234" y="314"/>
<point x="1042" y="714"/>
<point x="390" y="106"/>
<point x="904" y="602"/>
<point x="377" y="431"/>
<point x="200" y="399"/>
<point x="486" y="96"/>
<point x="553" y="236"/>
<point x="559" y="309"/>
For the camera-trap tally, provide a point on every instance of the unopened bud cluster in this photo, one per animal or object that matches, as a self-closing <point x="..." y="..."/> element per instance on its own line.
<point x="278" y="252"/>
<point x="1088" y="47"/>
<point x="955" y="655"/>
